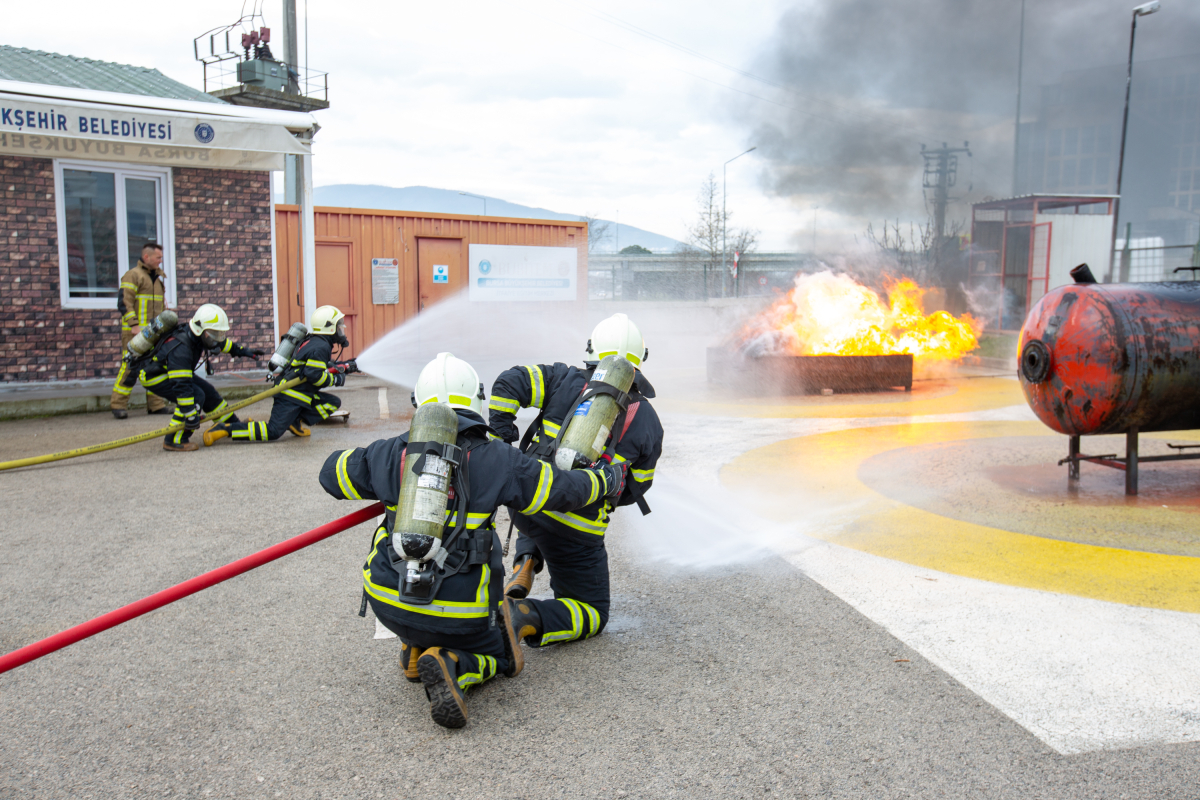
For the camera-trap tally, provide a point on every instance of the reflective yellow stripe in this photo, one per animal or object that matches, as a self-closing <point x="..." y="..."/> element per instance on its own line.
<point x="447" y="608"/>
<point x="503" y="404"/>
<point x="593" y="620"/>
<point x="474" y="520"/>
<point x="642" y="475"/>
<point x="312" y="362"/>
<point x="537" y="385"/>
<point x="343" y="477"/>
<point x="487" y="670"/>
<point x="152" y="381"/>
<point x="179" y="374"/>
<point x="618" y="458"/>
<point x="185" y="401"/>
<point x="147" y="295"/>
<point x="635" y="360"/>
<point x="545" y="481"/>
<point x="125" y="285"/>
<point x="551" y="428"/>
<point x="460" y="399"/>
<point x="303" y="398"/>
<point x="576" y="629"/>
<point x="597" y="526"/>
<point x="595" y="495"/>
<point x="225" y="348"/>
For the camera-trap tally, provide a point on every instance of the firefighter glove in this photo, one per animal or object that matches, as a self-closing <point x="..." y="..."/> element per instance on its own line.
<point x="258" y="353"/>
<point x="339" y="379"/>
<point x="614" y="480"/>
<point x="192" y="421"/>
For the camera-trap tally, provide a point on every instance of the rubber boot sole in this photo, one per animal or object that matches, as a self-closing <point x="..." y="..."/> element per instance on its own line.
<point x="186" y="447"/>
<point x="521" y="583"/>
<point x="447" y="705"/>
<point x="512" y="643"/>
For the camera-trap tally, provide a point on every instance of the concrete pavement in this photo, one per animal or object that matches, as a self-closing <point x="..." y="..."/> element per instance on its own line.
<point x="725" y="670"/>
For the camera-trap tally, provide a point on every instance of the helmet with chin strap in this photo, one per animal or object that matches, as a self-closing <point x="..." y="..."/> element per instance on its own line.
<point x="211" y="324"/>
<point x="328" y="321"/>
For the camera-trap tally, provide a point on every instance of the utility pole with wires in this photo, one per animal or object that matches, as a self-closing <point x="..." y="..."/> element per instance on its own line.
<point x="941" y="173"/>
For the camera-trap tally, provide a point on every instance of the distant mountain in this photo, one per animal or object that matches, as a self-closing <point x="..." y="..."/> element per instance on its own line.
<point x="448" y="201"/>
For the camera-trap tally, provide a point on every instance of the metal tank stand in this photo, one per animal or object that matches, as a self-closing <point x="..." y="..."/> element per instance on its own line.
<point x="1129" y="463"/>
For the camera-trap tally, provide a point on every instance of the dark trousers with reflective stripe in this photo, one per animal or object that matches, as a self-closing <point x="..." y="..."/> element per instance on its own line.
<point x="577" y="572"/>
<point x="207" y="397"/>
<point x="284" y="413"/>
<point x="468" y="646"/>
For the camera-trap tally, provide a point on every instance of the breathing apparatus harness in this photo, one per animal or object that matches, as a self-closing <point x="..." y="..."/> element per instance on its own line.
<point x="458" y="553"/>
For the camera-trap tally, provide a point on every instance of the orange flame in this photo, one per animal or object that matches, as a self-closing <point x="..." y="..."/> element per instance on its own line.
<point x="828" y="314"/>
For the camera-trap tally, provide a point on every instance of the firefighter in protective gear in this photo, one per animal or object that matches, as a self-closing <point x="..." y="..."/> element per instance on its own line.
<point x="140" y="299"/>
<point x="571" y="544"/>
<point x="171" y="368"/>
<point x="462" y="638"/>
<point x="304" y="403"/>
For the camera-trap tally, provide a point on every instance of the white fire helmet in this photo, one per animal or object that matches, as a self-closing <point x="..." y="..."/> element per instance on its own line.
<point x="616" y="336"/>
<point x="210" y="323"/>
<point x="325" y="320"/>
<point x="450" y="380"/>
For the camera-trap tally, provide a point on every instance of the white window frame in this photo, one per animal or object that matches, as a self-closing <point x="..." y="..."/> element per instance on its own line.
<point x="166" y="224"/>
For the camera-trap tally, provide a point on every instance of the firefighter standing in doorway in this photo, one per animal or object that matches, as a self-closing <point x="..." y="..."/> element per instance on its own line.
<point x="571" y="544"/>
<point x="304" y="403"/>
<point x="171" y="367"/>
<point x="139" y="299"/>
<point x="457" y="634"/>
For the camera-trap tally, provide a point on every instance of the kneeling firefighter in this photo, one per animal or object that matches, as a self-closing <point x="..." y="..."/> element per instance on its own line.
<point x="571" y="544"/>
<point x="169" y="371"/>
<point x="435" y="575"/>
<point x="305" y="403"/>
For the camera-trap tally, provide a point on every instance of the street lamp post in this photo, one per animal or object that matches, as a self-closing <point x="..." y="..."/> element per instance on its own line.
<point x="724" y="187"/>
<point x="481" y="197"/>
<point x="1143" y="10"/>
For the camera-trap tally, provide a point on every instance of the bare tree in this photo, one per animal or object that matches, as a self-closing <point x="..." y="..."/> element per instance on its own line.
<point x="599" y="230"/>
<point x="709" y="237"/>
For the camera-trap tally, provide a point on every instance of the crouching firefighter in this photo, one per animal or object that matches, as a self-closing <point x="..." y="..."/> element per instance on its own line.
<point x="435" y="574"/>
<point x="569" y="433"/>
<point x="312" y="359"/>
<point x="170" y="367"/>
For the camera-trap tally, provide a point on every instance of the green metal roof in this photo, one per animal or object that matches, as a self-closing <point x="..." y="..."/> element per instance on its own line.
<point x="36" y="66"/>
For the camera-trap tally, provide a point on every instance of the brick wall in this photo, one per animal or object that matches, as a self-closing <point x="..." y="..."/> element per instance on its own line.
<point x="222" y="255"/>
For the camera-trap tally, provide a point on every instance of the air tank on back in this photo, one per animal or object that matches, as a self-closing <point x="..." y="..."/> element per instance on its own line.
<point x="1104" y="358"/>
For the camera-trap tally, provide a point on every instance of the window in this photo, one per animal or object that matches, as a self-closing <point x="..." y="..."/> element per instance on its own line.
<point x="105" y="214"/>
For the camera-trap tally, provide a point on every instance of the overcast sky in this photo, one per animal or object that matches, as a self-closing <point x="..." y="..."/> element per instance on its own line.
<point x="561" y="104"/>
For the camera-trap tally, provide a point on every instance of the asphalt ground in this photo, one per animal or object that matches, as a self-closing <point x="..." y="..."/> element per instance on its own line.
<point x="746" y="679"/>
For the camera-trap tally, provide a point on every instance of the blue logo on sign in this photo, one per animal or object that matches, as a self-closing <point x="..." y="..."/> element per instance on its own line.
<point x="205" y="133"/>
<point x="485" y="266"/>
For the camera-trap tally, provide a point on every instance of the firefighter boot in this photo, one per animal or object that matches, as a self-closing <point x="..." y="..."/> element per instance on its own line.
<point x="183" y="447"/>
<point x="298" y="428"/>
<point x="438" y="668"/>
<point x="120" y="413"/>
<point x="408" y="662"/>
<point x="512" y="641"/>
<point x="521" y="583"/>
<point x="219" y="430"/>
<point x="523" y="619"/>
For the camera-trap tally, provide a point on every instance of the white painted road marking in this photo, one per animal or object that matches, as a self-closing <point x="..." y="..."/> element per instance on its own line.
<point x="383" y="404"/>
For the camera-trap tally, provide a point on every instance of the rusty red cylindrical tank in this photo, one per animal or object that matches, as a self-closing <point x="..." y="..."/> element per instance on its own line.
<point x="1103" y="358"/>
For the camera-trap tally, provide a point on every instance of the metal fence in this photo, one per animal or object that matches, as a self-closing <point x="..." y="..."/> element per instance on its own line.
<point x="1150" y="264"/>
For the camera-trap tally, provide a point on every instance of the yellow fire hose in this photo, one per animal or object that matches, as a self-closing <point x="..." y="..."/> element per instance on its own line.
<point x="142" y="437"/>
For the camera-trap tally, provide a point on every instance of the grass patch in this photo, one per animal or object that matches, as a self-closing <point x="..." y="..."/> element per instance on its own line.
<point x="997" y="345"/>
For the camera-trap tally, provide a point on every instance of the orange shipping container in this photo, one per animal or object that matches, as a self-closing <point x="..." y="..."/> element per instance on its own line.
<point x="347" y="240"/>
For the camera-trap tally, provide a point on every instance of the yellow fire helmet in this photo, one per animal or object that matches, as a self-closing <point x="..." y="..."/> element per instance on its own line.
<point x="616" y="335"/>
<point x="450" y="380"/>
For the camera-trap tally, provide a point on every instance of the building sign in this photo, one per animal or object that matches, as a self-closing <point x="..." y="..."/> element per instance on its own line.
<point x="441" y="273"/>
<point x="39" y="127"/>
<point x="520" y="273"/>
<point x="385" y="281"/>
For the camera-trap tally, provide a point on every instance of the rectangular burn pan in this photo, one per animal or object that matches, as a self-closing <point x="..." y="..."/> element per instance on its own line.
<point x="808" y="374"/>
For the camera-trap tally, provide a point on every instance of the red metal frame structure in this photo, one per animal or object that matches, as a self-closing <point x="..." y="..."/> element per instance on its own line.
<point x="1010" y="250"/>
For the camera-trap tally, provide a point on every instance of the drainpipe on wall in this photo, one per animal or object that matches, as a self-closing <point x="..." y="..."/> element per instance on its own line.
<point x="308" y="241"/>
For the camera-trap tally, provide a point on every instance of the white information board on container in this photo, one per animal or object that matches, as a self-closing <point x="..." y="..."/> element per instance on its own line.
<point x="500" y="272"/>
<point x="385" y="281"/>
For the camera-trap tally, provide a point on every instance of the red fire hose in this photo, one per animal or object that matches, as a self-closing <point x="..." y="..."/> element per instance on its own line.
<point x="147" y="604"/>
